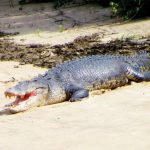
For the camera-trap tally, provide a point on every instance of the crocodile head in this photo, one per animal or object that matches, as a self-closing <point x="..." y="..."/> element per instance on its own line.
<point x="28" y="94"/>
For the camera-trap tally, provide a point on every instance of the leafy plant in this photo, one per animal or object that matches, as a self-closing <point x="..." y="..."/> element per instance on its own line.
<point x="114" y="7"/>
<point x="130" y="9"/>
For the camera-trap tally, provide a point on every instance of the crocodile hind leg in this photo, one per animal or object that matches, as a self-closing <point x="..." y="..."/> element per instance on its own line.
<point x="133" y="73"/>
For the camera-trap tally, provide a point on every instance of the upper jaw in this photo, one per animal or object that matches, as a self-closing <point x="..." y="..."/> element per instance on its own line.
<point x="14" y="92"/>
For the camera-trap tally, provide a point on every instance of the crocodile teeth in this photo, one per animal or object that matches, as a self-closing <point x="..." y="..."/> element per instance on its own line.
<point x="9" y="95"/>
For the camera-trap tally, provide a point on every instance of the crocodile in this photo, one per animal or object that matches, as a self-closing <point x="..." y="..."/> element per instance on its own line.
<point x="73" y="80"/>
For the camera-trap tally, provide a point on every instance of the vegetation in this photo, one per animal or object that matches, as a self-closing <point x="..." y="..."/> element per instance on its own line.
<point x="128" y="9"/>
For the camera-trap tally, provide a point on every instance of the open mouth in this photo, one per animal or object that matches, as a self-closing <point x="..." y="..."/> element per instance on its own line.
<point x="19" y="98"/>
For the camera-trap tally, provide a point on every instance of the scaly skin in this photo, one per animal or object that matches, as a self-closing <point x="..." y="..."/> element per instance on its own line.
<point x="73" y="80"/>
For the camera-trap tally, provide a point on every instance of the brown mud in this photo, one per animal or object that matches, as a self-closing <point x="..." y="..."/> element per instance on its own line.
<point x="48" y="56"/>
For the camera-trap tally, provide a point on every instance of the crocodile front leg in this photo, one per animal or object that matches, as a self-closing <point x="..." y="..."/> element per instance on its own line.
<point x="77" y="93"/>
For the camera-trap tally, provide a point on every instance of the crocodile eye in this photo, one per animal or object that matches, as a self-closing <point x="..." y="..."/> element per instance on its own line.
<point x="49" y="78"/>
<point x="40" y="88"/>
<point x="35" y="80"/>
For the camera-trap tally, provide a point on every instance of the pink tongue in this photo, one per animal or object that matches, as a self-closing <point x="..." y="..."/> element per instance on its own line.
<point x="22" y="96"/>
<point x="26" y="96"/>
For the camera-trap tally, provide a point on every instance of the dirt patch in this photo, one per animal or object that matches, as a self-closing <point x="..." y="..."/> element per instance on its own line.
<point x="49" y="56"/>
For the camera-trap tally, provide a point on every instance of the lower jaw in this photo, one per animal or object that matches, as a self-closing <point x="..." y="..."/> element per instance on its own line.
<point x="16" y="103"/>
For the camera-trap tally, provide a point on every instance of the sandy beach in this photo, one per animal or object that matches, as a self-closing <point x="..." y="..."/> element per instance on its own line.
<point x="116" y="120"/>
